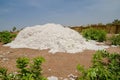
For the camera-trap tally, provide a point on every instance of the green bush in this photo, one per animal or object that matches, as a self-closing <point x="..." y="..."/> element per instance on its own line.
<point x="94" y="34"/>
<point x="115" y="40"/>
<point x="26" y="71"/>
<point x="105" y="67"/>
<point x="6" y="37"/>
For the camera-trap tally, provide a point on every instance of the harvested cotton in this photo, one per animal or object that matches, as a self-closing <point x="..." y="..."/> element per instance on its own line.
<point x="54" y="37"/>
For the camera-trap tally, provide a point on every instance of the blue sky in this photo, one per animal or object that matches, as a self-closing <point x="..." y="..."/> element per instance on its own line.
<point x="22" y="13"/>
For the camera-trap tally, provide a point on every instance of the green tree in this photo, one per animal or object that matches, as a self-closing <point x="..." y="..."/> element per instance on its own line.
<point x="14" y="29"/>
<point x="116" y="22"/>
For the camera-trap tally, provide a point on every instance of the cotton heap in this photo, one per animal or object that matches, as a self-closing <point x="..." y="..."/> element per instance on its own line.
<point x="54" y="37"/>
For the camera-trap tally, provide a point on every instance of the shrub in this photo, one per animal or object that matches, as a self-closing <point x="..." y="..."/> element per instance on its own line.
<point x="94" y="34"/>
<point x="115" y="40"/>
<point x="105" y="67"/>
<point x="6" y="37"/>
<point x="26" y="72"/>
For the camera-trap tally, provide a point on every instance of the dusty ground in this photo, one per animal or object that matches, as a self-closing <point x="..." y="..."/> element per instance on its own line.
<point x="59" y="64"/>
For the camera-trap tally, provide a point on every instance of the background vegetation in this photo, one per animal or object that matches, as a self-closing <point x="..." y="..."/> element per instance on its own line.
<point x="94" y="34"/>
<point x="113" y="27"/>
<point x="115" y="40"/>
<point x="6" y="36"/>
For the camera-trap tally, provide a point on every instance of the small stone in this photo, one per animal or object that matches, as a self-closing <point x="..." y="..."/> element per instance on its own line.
<point x="61" y="78"/>
<point x="52" y="78"/>
<point x="72" y="77"/>
<point x="49" y="69"/>
<point x="65" y="79"/>
<point x="76" y="71"/>
<point x="8" y="52"/>
<point x="1" y="56"/>
<point x="113" y="46"/>
<point x="5" y="59"/>
<point x="15" y="72"/>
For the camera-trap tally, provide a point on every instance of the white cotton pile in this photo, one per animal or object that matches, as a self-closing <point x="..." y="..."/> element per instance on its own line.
<point x="54" y="37"/>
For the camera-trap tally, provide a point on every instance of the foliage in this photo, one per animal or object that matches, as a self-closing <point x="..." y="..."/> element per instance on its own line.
<point x="111" y="27"/>
<point x="115" y="40"/>
<point x="105" y="66"/>
<point x="14" y="29"/>
<point x="6" y="37"/>
<point x="116" y="22"/>
<point x="26" y="72"/>
<point x="94" y="34"/>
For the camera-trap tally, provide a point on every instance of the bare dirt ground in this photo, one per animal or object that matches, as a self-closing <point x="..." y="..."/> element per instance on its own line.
<point x="59" y="64"/>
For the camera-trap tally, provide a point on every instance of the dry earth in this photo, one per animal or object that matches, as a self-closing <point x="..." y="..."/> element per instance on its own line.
<point x="59" y="64"/>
